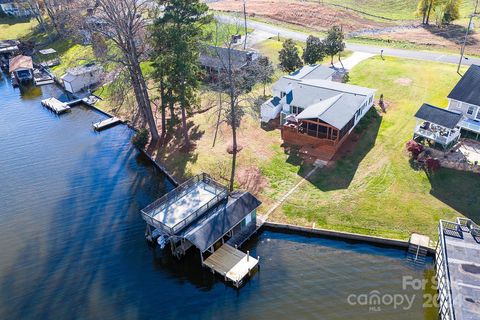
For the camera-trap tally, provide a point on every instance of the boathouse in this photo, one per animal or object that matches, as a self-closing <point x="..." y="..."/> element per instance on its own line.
<point x="22" y="68"/>
<point x="202" y="214"/>
<point x="457" y="262"/>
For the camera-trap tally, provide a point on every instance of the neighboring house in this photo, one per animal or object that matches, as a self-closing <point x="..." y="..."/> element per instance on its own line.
<point x="317" y="112"/>
<point x="215" y="59"/>
<point x="438" y="125"/>
<point x="16" y="8"/>
<point x="8" y="48"/>
<point x="82" y="78"/>
<point x="465" y="98"/>
<point x="22" y="68"/>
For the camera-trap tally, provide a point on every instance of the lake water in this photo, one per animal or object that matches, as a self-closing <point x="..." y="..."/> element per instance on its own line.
<point x="72" y="241"/>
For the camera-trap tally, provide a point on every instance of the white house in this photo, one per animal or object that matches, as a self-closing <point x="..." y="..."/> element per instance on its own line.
<point x="465" y="98"/>
<point x="271" y="109"/>
<point x="16" y="8"/>
<point x="315" y="111"/>
<point x="82" y="78"/>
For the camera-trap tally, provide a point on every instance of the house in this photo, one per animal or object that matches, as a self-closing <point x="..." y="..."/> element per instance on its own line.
<point x="271" y="109"/>
<point x="82" y="78"/>
<point x="437" y="125"/>
<point x="18" y="9"/>
<point x="465" y="98"/>
<point x="316" y="112"/>
<point x="21" y="67"/>
<point x="202" y="214"/>
<point x="8" y="48"/>
<point x="214" y="59"/>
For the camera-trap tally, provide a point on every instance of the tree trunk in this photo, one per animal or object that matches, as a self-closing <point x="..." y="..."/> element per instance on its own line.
<point x="331" y="57"/>
<point x="429" y="11"/>
<point x="184" y="127"/>
<point x="234" y="144"/>
<point x="172" y="108"/>
<point x="163" y="106"/>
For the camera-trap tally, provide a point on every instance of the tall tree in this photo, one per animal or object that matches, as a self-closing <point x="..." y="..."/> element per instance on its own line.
<point x="265" y="71"/>
<point x="334" y="43"/>
<point x="451" y="11"/>
<point x="123" y="23"/>
<point x="289" y="57"/>
<point x="314" y="51"/>
<point x="422" y="9"/>
<point x="178" y="33"/>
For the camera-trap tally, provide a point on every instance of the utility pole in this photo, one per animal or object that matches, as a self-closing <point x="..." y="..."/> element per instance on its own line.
<point x="462" y="51"/>
<point x="245" y="20"/>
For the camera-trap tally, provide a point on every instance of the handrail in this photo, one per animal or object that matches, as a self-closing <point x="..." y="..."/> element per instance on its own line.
<point x="444" y="260"/>
<point x="220" y="191"/>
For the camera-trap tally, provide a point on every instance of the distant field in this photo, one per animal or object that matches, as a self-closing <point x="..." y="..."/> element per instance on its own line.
<point x="15" y="28"/>
<point x="390" y="9"/>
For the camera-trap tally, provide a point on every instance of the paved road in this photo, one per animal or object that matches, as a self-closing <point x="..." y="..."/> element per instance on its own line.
<point x="300" y="36"/>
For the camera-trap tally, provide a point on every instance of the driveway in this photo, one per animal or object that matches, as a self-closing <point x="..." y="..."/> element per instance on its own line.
<point x="300" y="36"/>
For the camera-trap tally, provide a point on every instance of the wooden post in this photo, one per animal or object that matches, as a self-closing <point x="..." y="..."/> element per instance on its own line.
<point x="248" y="255"/>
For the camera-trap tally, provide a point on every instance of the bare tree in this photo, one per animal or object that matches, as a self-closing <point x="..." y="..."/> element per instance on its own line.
<point x="235" y="78"/>
<point x="123" y="22"/>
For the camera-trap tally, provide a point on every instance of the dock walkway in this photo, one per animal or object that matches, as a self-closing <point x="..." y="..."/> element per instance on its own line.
<point x="231" y="263"/>
<point x="55" y="105"/>
<point x="106" y="123"/>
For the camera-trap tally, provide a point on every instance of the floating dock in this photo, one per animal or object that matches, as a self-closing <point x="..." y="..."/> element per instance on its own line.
<point x="458" y="270"/>
<point x="55" y="105"/>
<point x="41" y="78"/>
<point x="232" y="264"/>
<point x="202" y="214"/>
<point x="107" y="123"/>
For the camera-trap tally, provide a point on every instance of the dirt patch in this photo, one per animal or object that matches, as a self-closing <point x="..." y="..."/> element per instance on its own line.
<point x="406" y="82"/>
<point x="251" y="179"/>
<point x="308" y="14"/>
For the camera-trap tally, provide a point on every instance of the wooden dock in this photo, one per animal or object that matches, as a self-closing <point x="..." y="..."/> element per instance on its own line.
<point x="104" y="124"/>
<point x="232" y="264"/>
<point x="55" y="105"/>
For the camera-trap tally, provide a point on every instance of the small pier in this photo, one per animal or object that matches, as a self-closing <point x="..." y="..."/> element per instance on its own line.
<point x="55" y="105"/>
<point x="232" y="264"/>
<point x="201" y="214"/>
<point x="107" y="123"/>
<point x="457" y="262"/>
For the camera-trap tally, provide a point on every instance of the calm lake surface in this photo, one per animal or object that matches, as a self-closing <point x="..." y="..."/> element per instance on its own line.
<point x="72" y="243"/>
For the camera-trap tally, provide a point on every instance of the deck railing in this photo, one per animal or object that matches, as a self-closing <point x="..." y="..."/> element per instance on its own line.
<point x="149" y="212"/>
<point x="437" y="137"/>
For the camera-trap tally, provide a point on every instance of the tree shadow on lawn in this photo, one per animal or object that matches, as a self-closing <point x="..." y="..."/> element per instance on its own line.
<point x="459" y="190"/>
<point x="350" y="154"/>
<point x="173" y="153"/>
<point x="453" y="33"/>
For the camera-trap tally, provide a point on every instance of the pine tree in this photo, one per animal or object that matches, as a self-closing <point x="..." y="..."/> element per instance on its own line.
<point x="289" y="57"/>
<point x="313" y="51"/>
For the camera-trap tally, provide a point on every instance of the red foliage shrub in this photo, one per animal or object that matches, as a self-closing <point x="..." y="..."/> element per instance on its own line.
<point x="432" y="164"/>
<point x="414" y="148"/>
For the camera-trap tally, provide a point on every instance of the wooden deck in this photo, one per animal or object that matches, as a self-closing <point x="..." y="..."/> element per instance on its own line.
<point x="106" y="123"/>
<point x="55" y="105"/>
<point x="232" y="264"/>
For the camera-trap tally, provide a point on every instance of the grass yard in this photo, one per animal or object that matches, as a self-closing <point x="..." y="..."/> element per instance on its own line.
<point x="15" y="28"/>
<point x="372" y="189"/>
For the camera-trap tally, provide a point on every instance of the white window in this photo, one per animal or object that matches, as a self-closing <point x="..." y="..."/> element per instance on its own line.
<point x="478" y="114"/>
<point x="470" y="110"/>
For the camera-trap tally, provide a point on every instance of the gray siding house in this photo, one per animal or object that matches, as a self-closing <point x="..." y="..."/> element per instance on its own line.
<point x="465" y="98"/>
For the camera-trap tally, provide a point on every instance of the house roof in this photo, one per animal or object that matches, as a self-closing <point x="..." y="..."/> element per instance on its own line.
<point x="468" y="88"/>
<point x="78" y="71"/>
<point x="316" y="110"/>
<point x="222" y="218"/>
<point x="440" y="116"/>
<point x="338" y="102"/>
<point x="314" y="71"/>
<point x="215" y="57"/>
<point x="20" y="62"/>
<point x="68" y="77"/>
<point x="47" y="51"/>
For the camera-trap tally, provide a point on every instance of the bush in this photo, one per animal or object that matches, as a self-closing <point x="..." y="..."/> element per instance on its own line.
<point x="140" y="139"/>
<point x="414" y="148"/>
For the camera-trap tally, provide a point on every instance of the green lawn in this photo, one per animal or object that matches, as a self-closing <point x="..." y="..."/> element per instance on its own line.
<point x="373" y="189"/>
<point x="15" y="28"/>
